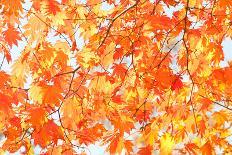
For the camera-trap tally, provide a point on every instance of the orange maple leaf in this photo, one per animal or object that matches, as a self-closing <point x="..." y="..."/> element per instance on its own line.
<point x="11" y="35"/>
<point x="191" y="148"/>
<point x="53" y="7"/>
<point x="50" y="132"/>
<point x="119" y="70"/>
<point x="147" y="150"/>
<point x="207" y="149"/>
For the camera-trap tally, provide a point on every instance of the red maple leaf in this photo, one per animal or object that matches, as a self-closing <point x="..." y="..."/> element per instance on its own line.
<point x="177" y="84"/>
<point x="53" y="7"/>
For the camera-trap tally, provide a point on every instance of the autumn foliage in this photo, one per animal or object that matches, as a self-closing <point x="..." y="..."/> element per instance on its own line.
<point x="134" y="76"/>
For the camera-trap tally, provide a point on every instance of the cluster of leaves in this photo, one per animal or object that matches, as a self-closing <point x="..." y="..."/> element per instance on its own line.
<point x="144" y="80"/>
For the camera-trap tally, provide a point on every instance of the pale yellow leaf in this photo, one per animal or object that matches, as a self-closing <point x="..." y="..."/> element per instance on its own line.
<point x="59" y="19"/>
<point x="87" y="58"/>
<point x="20" y="71"/>
<point x="36" y="94"/>
<point x="108" y="58"/>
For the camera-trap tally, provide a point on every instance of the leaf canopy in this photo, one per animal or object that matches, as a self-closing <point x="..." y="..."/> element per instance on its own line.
<point x="136" y="76"/>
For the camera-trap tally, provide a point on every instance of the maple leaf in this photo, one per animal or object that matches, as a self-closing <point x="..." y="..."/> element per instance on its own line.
<point x="6" y="101"/>
<point x="71" y="111"/>
<point x="119" y="70"/>
<point x="36" y="94"/>
<point x="177" y="84"/>
<point x="124" y="84"/>
<point x="19" y="72"/>
<point x="126" y="123"/>
<point x="202" y="127"/>
<point x="49" y="132"/>
<point x="60" y="17"/>
<point x="5" y="78"/>
<point x="109" y="52"/>
<point x="219" y="118"/>
<point x="37" y="117"/>
<point x="51" y="95"/>
<point x="118" y="53"/>
<point x="145" y="150"/>
<point x="152" y="134"/>
<point x="205" y="104"/>
<point x="16" y="122"/>
<point x="116" y="143"/>
<point x="13" y="132"/>
<point x="11" y="148"/>
<point x="128" y="146"/>
<point x="87" y="58"/>
<point x="90" y="135"/>
<point x="167" y="144"/>
<point x="36" y="25"/>
<point x="12" y="6"/>
<point x="192" y="3"/>
<point x="11" y="35"/>
<point x="207" y="149"/>
<point x="191" y="148"/>
<point x="53" y="7"/>
<point x="60" y="150"/>
<point x="6" y="52"/>
<point x="117" y="99"/>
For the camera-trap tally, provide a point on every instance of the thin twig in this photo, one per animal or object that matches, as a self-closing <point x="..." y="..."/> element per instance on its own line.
<point x="217" y="103"/>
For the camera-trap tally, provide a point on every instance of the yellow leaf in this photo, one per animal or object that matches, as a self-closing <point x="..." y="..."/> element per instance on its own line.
<point x="2" y="152"/>
<point x="151" y="137"/>
<point x="192" y="3"/>
<point x="108" y="57"/>
<point x="167" y="144"/>
<point x="131" y="94"/>
<point x="59" y="19"/>
<point x="209" y="56"/>
<point x="35" y="25"/>
<point x="87" y="58"/>
<point x="81" y="12"/>
<point x="19" y="73"/>
<point x="120" y="145"/>
<point x="100" y="84"/>
<point x="72" y="113"/>
<point x="36" y="94"/>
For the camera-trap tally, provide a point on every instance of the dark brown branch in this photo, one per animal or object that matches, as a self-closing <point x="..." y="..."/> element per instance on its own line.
<point x="24" y="135"/>
<point x="3" y="56"/>
<point x="25" y="89"/>
<point x="70" y="72"/>
<point x="58" y="110"/>
<point x="2" y="61"/>
<point x="75" y="91"/>
<point x="187" y="63"/>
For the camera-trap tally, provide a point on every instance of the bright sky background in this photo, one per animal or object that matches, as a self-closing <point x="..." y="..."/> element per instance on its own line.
<point x="95" y="149"/>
